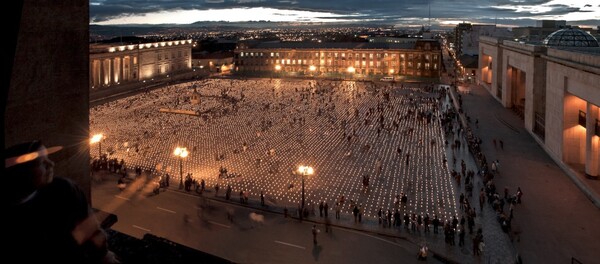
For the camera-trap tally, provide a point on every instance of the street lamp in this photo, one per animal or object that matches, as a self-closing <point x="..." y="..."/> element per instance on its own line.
<point x="304" y="170"/>
<point x="181" y="153"/>
<point x="312" y="69"/>
<point x="97" y="139"/>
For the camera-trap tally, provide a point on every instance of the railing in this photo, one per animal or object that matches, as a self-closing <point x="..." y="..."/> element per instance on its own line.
<point x="575" y="261"/>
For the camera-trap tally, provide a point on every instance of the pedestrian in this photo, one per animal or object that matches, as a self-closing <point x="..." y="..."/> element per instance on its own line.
<point x="519" y="194"/>
<point x="262" y="198"/>
<point x="379" y="214"/>
<point x="216" y="189"/>
<point x="321" y="209"/>
<point x="326" y="210"/>
<point x="315" y="231"/>
<point x="501" y="144"/>
<point x="337" y="210"/>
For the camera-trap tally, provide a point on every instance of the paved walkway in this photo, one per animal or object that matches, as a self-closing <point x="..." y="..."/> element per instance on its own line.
<point x="556" y="221"/>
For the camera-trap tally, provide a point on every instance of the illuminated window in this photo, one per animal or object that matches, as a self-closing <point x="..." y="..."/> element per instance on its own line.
<point x="364" y="63"/>
<point x="581" y="118"/>
<point x="426" y="66"/>
<point x="370" y="55"/>
<point x="343" y="55"/>
<point x="370" y="63"/>
<point x="272" y="54"/>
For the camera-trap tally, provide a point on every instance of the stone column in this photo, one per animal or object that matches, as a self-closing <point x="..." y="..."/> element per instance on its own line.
<point x="592" y="143"/>
<point x="121" y="68"/>
<point x="111" y="67"/>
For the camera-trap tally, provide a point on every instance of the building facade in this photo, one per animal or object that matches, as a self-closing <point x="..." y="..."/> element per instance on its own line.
<point x="343" y="60"/>
<point x="114" y="65"/>
<point x="555" y="90"/>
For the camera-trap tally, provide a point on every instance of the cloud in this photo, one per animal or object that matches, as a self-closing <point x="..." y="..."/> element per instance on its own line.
<point x="384" y="10"/>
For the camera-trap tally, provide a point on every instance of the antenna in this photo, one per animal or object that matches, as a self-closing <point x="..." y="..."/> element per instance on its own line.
<point x="429" y="26"/>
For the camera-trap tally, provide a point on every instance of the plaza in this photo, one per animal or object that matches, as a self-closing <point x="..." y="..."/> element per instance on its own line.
<point x="262" y="130"/>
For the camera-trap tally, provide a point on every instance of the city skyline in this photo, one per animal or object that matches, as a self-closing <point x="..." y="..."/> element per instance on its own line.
<point x="407" y="13"/>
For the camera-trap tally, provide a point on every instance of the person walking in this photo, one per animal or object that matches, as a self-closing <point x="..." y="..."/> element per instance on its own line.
<point x="315" y="231"/>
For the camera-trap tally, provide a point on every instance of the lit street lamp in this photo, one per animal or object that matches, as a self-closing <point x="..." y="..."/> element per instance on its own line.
<point x="97" y="139"/>
<point x="304" y="170"/>
<point x="181" y="153"/>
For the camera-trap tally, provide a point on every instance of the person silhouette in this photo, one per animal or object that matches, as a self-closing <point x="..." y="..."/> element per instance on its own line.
<point x="49" y="219"/>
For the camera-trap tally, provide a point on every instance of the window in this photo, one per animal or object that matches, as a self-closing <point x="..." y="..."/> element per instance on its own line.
<point x="582" y="118"/>
<point x="159" y="56"/>
<point x="426" y="66"/>
<point x="364" y="63"/>
<point x="370" y="63"/>
<point x="272" y="54"/>
<point x="370" y="55"/>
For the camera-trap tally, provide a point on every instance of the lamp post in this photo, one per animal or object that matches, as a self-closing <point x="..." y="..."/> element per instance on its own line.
<point x="312" y="70"/>
<point x="304" y="170"/>
<point x="97" y="139"/>
<point x="350" y="71"/>
<point x="181" y="153"/>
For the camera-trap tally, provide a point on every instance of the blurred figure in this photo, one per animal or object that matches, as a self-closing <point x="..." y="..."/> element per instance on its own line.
<point x="49" y="219"/>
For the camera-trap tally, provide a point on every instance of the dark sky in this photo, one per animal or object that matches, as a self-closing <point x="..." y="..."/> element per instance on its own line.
<point x="398" y="12"/>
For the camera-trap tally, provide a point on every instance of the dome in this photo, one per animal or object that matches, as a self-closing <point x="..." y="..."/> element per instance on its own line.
<point x="571" y="37"/>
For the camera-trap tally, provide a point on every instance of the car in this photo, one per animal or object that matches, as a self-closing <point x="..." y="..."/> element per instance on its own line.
<point x="387" y="79"/>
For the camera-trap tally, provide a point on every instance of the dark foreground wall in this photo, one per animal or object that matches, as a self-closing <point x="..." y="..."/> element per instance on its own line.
<point x="48" y="95"/>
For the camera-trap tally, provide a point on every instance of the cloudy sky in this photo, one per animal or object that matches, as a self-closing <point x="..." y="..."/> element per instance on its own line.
<point x="398" y="12"/>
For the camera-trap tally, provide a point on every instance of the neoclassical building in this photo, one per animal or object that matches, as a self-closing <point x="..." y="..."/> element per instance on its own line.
<point x="118" y="64"/>
<point x="345" y="60"/>
<point x="555" y="87"/>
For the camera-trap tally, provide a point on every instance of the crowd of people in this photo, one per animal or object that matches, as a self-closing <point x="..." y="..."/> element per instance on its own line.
<point x="348" y="131"/>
